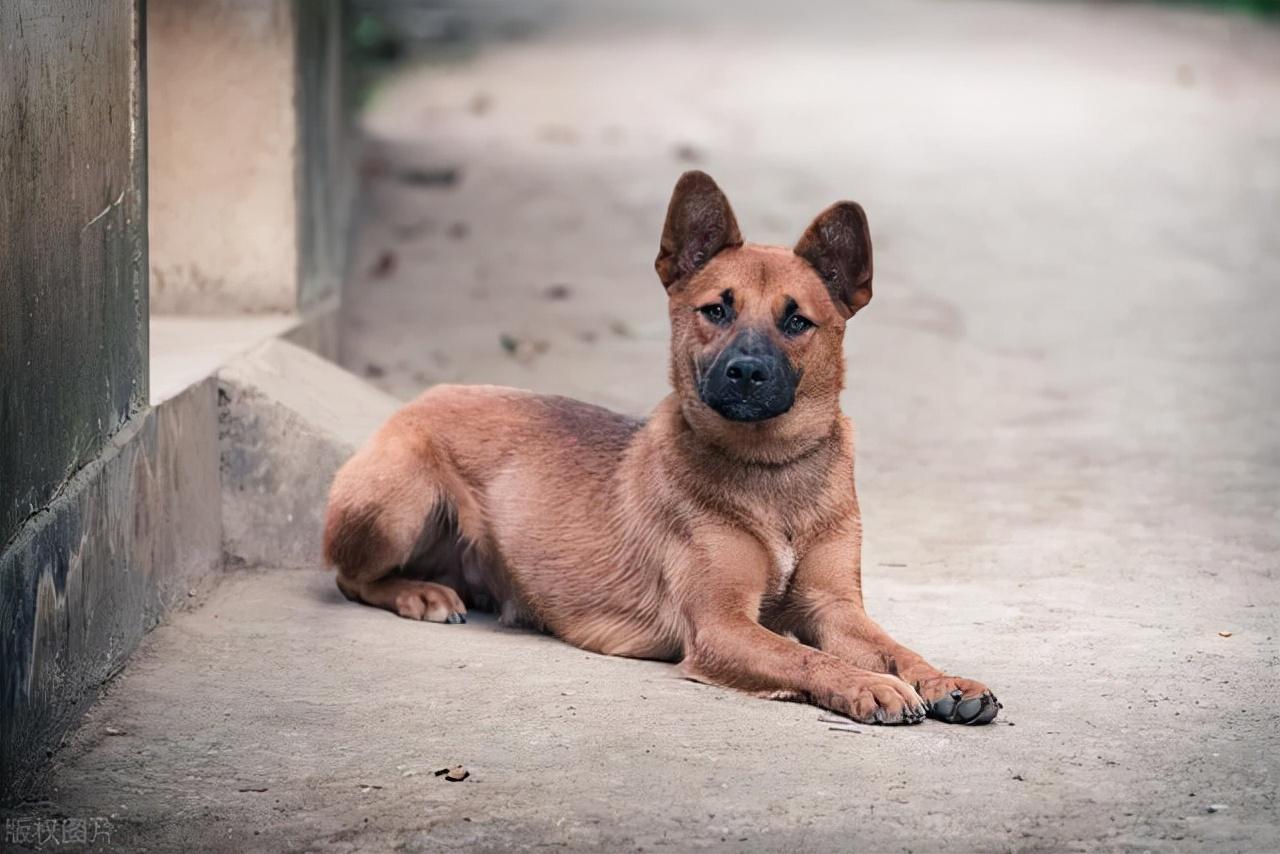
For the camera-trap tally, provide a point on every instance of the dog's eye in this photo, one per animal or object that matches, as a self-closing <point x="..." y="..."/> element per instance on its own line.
<point x="796" y="324"/>
<point x="715" y="313"/>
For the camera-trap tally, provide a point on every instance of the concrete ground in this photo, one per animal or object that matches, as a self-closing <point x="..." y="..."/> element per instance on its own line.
<point x="1066" y="391"/>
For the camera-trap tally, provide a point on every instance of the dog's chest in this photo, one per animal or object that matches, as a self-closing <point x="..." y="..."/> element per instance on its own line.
<point x="782" y="554"/>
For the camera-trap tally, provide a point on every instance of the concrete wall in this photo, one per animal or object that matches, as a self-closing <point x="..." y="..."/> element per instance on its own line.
<point x="73" y="357"/>
<point x="223" y="234"/>
<point x="112" y="513"/>
<point x="247" y="174"/>
<point x="73" y="242"/>
<point x="131" y="536"/>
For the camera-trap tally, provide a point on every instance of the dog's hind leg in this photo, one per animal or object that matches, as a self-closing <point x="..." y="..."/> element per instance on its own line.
<point x="410" y="598"/>
<point x="384" y="502"/>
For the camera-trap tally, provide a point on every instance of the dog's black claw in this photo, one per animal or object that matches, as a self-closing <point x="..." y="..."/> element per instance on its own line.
<point x="455" y="619"/>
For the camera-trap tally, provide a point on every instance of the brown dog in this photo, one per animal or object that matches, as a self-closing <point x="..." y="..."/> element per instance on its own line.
<point x="723" y="532"/>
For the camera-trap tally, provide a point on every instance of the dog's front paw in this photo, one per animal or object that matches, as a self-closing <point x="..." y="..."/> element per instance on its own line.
<point x="958" y="701"/>
<point x="880" y="699"/>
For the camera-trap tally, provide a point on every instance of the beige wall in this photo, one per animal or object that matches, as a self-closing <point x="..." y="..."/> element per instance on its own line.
<point x="222" y="158"/>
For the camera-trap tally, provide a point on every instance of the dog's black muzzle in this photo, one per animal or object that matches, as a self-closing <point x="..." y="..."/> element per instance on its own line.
<point x="750" y="380"/>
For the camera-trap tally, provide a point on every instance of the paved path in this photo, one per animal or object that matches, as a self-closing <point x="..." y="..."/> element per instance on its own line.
<point x="1068" y="398"/>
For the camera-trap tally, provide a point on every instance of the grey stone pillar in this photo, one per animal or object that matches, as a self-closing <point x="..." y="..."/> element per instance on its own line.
<point x="73" y="356"/>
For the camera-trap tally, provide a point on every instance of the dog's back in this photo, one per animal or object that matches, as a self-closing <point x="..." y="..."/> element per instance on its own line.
<point x="467" y="483"/>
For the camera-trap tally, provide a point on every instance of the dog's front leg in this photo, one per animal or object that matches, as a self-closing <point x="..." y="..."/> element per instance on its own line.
<point x="721" y="589"/>
<point x="825" y="610"/>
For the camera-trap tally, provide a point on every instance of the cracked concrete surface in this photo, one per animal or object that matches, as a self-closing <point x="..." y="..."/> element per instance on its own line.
<point x="1069" y="448"/>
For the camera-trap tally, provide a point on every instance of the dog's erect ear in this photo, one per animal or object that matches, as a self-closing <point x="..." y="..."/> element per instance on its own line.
<point x="838" y="245"/>
<point x="699" y="224"/>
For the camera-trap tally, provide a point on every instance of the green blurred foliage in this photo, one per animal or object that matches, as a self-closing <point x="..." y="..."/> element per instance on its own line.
<point x="1256" y="7"/>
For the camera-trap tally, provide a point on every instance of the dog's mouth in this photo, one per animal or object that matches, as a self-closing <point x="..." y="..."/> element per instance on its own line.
<point x="750" y="410"/>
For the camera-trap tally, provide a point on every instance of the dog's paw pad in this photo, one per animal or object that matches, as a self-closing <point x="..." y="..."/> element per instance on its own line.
<point x="954" y="708"/>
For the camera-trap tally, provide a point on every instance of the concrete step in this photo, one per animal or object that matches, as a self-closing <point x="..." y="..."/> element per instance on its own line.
<point x="287" y="420"/>
<point x="232" y="469"/>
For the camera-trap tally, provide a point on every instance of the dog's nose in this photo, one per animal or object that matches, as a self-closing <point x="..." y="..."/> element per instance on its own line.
<point x="747" y="373"/>
<point x="750" y="380"/>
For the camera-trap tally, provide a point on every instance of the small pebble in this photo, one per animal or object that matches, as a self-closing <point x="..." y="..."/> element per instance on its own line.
<point x="688" y="153"/>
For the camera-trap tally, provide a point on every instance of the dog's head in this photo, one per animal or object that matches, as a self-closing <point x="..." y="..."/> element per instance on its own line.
<point x="757" y="331"/>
